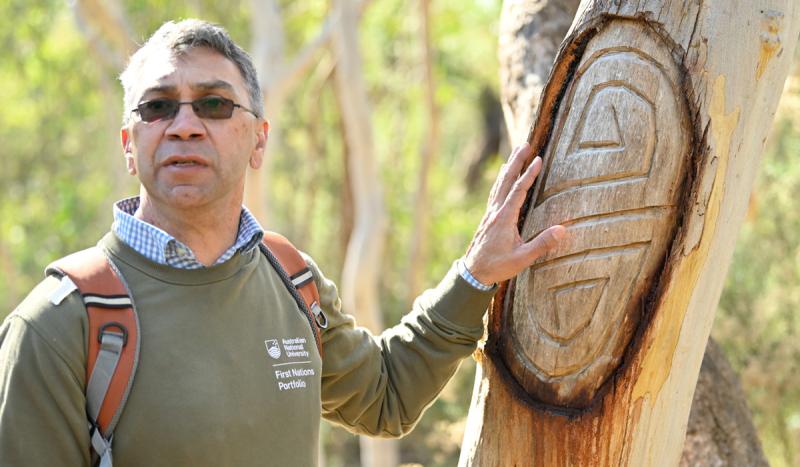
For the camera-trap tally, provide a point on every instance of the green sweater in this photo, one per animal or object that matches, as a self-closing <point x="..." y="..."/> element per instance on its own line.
<point x="229" y="373"/>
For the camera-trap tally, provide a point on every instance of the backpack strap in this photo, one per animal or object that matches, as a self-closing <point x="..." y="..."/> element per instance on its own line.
<point x="298" y="279"/>
<point x="114" y="340"/>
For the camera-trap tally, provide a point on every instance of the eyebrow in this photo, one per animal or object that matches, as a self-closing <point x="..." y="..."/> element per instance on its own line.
<point x="202" y="86"/>
<point x="212" y="85"/>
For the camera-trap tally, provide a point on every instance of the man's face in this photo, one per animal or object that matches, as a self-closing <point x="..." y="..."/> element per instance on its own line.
<point x="188" y="161"/>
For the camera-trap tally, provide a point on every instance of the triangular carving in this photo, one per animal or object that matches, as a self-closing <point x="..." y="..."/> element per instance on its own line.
<point x="568" y="299"/>
<point x="600" y="126"/>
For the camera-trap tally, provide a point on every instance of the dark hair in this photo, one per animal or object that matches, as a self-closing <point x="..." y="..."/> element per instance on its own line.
<point x="181" y="37"/>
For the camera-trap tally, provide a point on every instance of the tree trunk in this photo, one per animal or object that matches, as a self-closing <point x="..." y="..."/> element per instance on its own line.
<point x="650" y="127"/>
<point x="721" y="430"/>
<point x="361" y="271"/>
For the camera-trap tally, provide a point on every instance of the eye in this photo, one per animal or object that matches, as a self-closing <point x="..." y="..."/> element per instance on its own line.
<point x="212" y="102"/>
<point x="157" y="109"/>
<point x="213" y="107"/>
<point x="157" y="105"/>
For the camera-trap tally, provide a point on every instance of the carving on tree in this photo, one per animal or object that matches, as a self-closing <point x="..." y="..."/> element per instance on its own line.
<point x="638" y="417"/>
<point x="613" y="173"/>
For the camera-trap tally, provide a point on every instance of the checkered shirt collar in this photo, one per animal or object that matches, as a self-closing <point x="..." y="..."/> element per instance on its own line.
<point x="162" y="248"/>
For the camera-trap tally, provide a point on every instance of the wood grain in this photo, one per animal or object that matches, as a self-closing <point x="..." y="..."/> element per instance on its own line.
<point x="612" y="174"/>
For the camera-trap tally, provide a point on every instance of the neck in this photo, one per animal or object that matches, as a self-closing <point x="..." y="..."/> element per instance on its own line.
<point x="208" y="230"/>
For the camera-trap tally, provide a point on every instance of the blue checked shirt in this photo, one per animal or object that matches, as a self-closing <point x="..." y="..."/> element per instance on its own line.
<point x="162" y="248"/>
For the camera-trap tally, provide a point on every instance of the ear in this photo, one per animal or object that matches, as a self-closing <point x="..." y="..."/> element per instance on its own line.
<point x="257" y="156"/>
<point x="125" y="139"/>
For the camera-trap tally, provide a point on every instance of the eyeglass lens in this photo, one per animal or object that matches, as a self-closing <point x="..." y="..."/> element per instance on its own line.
<point x="212" y="107"/>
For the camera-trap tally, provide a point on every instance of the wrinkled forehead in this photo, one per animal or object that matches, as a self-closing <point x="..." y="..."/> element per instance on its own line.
<point x="184" y="69"/>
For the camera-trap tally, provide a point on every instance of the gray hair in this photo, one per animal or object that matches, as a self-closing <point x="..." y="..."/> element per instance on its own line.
<point x="181" y="37"/>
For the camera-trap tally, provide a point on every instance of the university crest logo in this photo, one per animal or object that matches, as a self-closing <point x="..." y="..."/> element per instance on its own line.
<point x="273" y="349"/>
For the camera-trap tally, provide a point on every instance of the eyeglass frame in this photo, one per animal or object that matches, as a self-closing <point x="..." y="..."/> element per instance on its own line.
<point x="179" y="103"/>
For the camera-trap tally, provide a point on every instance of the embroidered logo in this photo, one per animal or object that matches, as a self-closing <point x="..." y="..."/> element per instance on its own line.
<point x="273" y="349"/>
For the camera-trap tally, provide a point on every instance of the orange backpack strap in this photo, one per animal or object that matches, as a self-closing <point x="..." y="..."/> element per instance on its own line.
<point x="298" y="279"/>
<point x="114" y="339"/>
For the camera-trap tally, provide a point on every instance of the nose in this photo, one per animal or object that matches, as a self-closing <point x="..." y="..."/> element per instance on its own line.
<point x="186" y="125"/>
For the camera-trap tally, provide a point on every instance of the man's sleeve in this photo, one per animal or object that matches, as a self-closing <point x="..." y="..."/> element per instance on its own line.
<point x="380" y="385"/>
<point x="42" y="404"/>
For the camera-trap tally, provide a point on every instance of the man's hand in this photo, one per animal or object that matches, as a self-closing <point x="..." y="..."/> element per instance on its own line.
<point x="497" y="252"/>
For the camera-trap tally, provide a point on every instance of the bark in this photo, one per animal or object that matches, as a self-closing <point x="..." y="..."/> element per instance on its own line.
<point x="530" y="34"/>
<point x="721" y="430"/>
<point x="362" y="265"/>
<point x="650" y="127"/>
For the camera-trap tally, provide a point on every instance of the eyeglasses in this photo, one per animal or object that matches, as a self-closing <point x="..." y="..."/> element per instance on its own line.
<point x="211" y="107"/>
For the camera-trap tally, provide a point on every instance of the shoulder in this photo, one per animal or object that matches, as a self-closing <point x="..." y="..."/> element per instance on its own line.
<point x="57" y="329"/>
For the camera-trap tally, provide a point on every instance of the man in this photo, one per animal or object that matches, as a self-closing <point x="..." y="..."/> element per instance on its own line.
<point x="205" y="391"/>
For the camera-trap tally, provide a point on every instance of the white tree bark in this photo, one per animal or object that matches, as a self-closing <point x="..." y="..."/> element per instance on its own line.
<point x="693" y="83"/>
<point x="362" y="265"/>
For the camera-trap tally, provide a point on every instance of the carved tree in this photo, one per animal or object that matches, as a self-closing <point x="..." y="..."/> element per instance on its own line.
<point x="650" y="128"/>
<point x="721" y="430"/>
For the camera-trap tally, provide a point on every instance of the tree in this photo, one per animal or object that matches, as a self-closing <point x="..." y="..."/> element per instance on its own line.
<point x="643" y="137"/>
<point x="720" y="425"/>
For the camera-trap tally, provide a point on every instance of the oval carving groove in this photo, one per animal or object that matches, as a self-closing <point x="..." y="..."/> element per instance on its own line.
<point x="612" y="173"/>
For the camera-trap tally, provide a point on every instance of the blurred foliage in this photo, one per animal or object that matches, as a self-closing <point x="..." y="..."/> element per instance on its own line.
<point x="62" y="168"/>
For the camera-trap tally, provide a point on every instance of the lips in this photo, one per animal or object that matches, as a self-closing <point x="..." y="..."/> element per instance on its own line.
<point x="185" y="161"/>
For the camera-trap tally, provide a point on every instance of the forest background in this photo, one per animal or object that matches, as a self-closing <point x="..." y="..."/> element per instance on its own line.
<point x="62" y="167"/>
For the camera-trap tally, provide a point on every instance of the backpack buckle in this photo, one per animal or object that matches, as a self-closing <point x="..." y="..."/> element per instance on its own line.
<point x="319" y="316"/>
<point x="113" y="324"/>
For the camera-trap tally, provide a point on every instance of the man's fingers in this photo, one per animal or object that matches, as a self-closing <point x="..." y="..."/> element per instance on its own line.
<point x="546" y="241"/>
<point x="517" y="195"/>
<point x="514" y="166"/>
<point x="496" y="185"/>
